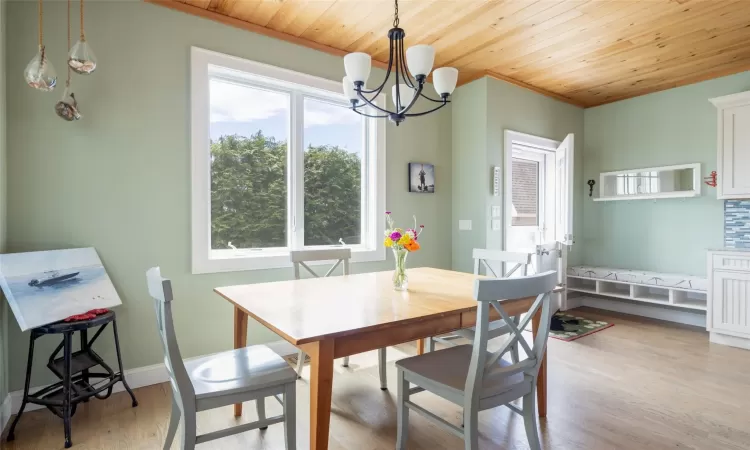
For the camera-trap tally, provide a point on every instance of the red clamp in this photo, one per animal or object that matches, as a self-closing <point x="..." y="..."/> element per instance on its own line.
<point x="86" y="316"/>
<point x="711" y="179"/>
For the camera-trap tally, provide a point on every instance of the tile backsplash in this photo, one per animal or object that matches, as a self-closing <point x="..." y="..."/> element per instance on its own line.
<point x="737" y="223"/>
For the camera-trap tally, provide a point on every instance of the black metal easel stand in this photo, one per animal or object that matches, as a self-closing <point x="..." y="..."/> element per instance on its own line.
<point x="74" y="370"/>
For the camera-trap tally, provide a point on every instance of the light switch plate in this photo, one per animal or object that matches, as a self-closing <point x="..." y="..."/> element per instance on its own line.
<point x="464" y="225"/>
<point x="497" y="224"/>
<point x="497" y="211"/>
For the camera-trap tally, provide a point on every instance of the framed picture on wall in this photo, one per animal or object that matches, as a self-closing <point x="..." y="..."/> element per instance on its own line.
<point x="422" y="178"/>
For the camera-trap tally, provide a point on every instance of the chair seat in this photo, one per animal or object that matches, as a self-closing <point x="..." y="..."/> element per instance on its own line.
<point x="496" y="328"/>
<point x="236" y="371"/>
<point x="446" y="370"/>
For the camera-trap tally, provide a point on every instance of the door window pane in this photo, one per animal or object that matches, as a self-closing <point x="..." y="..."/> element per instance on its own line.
<point x="333" y="140"/>
<point x="525" y="193"/>
<point x="249" y="133"/>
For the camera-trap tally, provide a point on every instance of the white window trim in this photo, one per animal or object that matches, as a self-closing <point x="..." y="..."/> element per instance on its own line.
<point x="206" y="260"/>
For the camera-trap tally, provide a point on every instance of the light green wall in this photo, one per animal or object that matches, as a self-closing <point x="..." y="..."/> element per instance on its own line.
<point x="482" y="111"/>
<point x="3" y="201"/>
<point x="470" y="174"/>
<point x="671" y="127"/>
<point x="119" y="179"/>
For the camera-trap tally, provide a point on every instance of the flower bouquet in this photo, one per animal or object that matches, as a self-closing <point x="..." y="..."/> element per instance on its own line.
<point x="402" y="242"/>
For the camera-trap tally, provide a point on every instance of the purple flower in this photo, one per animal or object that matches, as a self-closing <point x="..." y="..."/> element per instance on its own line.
<point x="387" y="212"/>
<point x="395" y="236"/>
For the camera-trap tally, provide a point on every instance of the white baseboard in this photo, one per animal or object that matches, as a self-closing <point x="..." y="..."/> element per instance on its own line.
<point x="5" y="412"/>
<point x="136" y="378"/>
<point x="733" y="341"/>
<point x="645" y="310"/>
<point x="572" y="302"/>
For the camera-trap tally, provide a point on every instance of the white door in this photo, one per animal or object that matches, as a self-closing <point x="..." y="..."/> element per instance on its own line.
<point x="564" y="191"/>
<point x="730" y="302"/>
<point x="539" y="200"/>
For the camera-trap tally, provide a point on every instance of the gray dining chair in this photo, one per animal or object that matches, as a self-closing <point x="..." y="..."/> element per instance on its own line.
<point x="208" y="382"/>
<point x="340" y="257"/>
<point x="474" y="378"/>
<point x="486" y="258"/>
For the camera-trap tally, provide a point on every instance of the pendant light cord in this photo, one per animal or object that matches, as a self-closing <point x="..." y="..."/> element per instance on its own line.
<point x="41" y="24"/>
<point x="395" y="17"/>
<point x="83" y="35"/>
<point x="67" y="82"/>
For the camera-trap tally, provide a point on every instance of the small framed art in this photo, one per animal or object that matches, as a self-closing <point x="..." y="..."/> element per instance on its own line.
<point x="422" y="178"/>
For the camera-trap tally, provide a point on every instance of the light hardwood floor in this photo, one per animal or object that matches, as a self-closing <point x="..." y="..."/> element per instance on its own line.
<point x="639" y="385"/>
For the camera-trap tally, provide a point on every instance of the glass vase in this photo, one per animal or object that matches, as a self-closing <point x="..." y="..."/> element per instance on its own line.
<point x="81" y="58"/>
<point x="400" y="280"/>
<point x="40" y="73"/>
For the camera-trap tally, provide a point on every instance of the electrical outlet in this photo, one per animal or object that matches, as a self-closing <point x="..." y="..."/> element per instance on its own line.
<point x="464" y="225"/>
<point x="497" y="211"/>
<point x="497" y="224"/>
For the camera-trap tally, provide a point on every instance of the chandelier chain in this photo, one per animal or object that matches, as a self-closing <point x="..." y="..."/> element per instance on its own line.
<point x="395" y="16"/>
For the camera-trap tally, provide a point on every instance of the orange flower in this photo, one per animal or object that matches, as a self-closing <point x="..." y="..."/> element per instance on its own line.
<point x="412" y="246"/>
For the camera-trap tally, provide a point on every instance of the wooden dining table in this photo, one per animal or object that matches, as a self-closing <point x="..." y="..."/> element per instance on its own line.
<point x="333" y="317"/>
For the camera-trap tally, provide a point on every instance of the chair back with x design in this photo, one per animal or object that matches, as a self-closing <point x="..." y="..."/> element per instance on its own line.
<point x="337" y="255"/>
<point x="493" y="294"/>
<point x="484" y="258"/>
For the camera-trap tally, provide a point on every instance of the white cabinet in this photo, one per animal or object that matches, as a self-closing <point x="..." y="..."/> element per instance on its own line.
<point x="729" y="298"/>
<point x="733" y="165"/>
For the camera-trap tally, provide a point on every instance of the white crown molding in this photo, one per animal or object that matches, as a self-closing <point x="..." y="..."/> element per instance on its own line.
<point x="727" y="101"/>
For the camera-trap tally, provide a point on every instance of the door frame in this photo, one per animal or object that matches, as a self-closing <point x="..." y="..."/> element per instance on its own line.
<point x="510" y="136"/>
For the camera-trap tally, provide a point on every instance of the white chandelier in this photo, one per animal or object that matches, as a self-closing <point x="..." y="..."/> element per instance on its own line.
<point x="408" y="84"/>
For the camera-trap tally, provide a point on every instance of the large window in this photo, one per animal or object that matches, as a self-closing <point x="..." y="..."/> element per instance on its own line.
<point x="279" y="163"/>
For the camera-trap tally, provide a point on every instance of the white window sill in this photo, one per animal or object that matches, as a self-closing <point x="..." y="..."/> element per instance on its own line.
<point x="241" y="260"/>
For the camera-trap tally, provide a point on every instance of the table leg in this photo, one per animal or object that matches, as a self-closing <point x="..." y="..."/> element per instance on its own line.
<point x="420" y="347"/>
<point x="321" y="386"/>
<point x="541" y="381"/>
<point x="240" y="341"/>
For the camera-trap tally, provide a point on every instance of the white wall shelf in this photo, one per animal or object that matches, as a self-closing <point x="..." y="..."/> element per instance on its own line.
<point x="658" y="295"/>
<point x="661" y="195"/>
<point x="678" y="181"/>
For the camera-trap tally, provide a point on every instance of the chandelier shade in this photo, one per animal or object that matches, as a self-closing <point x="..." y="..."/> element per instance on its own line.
<point x="358" y="66"/>
<point x="402" y="96"/>
<point x="409" y="68"/>
<point x="420" y="59"/>
<point x="444" y="79"/>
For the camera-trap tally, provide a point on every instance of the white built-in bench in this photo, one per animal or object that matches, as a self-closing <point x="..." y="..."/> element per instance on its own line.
<point x="672" y="290"/>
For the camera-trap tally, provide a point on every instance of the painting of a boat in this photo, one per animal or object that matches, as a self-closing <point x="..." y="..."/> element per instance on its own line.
<point x="45" y="287"/>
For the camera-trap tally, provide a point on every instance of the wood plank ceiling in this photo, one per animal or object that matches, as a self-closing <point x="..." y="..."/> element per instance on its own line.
<point x="585" y="52"/>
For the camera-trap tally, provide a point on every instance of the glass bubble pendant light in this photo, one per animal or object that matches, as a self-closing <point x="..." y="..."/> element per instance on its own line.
<point x="40" y="73"/>
<point x="81" y="57"/>
<point x="67" y="107"/>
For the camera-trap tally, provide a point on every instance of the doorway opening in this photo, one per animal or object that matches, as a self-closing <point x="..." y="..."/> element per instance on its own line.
<point x="538" y="192"/>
